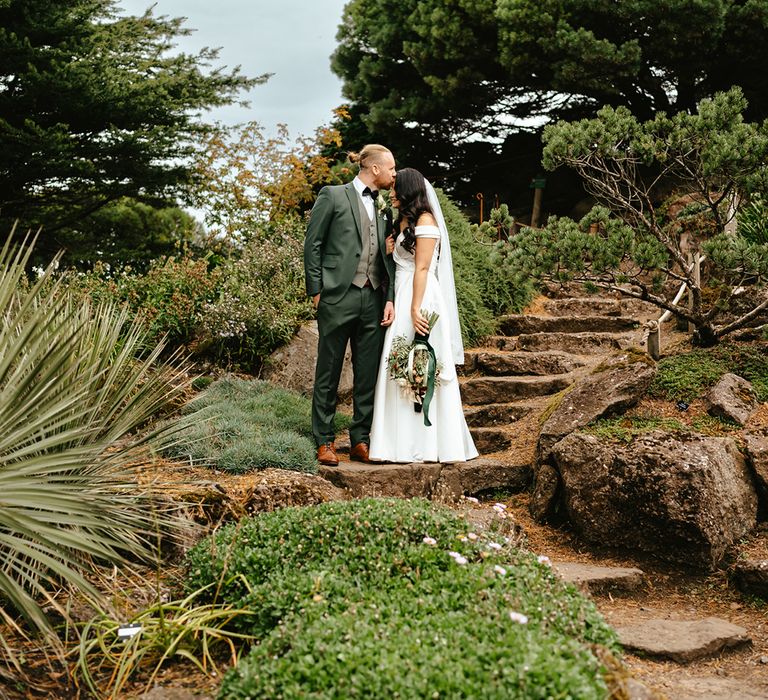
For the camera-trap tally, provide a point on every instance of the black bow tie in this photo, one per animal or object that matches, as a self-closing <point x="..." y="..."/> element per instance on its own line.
<point x="373" y="194"/>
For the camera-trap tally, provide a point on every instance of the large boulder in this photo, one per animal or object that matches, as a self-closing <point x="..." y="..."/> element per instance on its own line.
<point x="616" y="385"/>
<point x="756" y="445"/>
<point x="293" y="365"/>
<point x="751" y="577"/>
<point x="685" y="498"/>
<point x="732" y="398"/>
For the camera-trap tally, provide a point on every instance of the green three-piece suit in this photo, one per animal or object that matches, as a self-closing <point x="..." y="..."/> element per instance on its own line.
<point x="345" y="261"/>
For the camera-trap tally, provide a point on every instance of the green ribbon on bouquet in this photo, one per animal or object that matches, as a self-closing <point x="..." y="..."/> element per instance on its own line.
<point x="423" y="340"/>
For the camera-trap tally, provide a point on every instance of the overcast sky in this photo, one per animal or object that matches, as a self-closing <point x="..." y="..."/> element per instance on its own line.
<point x="291" y="38"/>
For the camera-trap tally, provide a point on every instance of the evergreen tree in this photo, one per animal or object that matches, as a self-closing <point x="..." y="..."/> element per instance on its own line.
<point x="96" y="107"/>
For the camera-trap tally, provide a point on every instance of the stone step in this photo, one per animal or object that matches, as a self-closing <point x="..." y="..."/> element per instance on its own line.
<point x="576" y="343"/>
<point x="682" y="640"/>
<point x="520" y="363"/>
<point x="485" y="390"/>
<point x="601" y="306"/>
<point x="519" y="324"/>
<point x="496" y="414"/>
<point x="599" y="580"/>
<point x="716" y="688"/>
<point x="501" y="342"/>
<point x="490" y="439"/>
<point x="427" y="480"/>
<point x="583" y="306"/>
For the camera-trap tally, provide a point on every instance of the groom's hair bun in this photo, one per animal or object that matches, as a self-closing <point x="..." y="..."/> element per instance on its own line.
<point x="367" y="154"/>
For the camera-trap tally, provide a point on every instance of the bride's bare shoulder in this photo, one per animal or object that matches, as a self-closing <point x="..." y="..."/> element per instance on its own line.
<point x="426" y="219"/>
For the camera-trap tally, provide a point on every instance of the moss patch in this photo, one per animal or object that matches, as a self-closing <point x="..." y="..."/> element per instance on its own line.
<point x="689" y="375"/>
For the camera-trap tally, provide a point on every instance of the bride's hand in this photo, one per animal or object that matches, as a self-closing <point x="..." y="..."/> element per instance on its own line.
<point x="420" y="324"/>
<point x="390" y="244"/>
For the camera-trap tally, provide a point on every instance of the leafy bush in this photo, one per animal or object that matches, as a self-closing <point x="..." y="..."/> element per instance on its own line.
<point x="238" y="311"/>
<point x="170" y="296"/>
<point x="261" y="300"/>
<point x="238" y="426"/>
<point x="689" y="375"/>
<point x="354" y="598"/>
<point x="753" y="220"/>
<point x="482" y="288"/>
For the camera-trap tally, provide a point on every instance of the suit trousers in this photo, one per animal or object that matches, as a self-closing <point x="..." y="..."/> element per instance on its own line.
<point x="355" y="318"/>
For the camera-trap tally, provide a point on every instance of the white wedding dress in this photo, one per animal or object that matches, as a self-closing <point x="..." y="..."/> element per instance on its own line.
<point x="398" y="433"/>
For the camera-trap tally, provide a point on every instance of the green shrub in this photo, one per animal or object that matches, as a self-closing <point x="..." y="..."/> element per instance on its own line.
<point x="689" y="375"/>
<point x="239" y="425"/>
<point x="753" y="220"/>
<point x="261" y="300"/>
<point x="171" y="296"/>
<point x="351" y="601"/>
<point x="475" y="317"/>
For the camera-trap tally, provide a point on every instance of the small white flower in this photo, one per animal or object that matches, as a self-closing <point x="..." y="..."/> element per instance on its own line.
<point x="518" y="617"/>
<point x="461" y="538"/>
<point x="430" y="541"/>
<point x="544" y="560"/>
<point x="500" y="570"/>
<point x="471" y="536"/>
<point x="458" y="558"/>
<point x="494" y="545"/>
<point x="471" y="499"/>
<point x="499" y="505"/>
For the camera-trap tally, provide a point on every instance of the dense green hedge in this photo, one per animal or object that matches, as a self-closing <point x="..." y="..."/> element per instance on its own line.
<point x="353" y="602"/>
<point x="248" y="424"/>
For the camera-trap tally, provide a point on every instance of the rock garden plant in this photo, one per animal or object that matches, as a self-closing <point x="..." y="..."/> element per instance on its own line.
<point x="388" y="598"/>
<point x="239" y="425"/>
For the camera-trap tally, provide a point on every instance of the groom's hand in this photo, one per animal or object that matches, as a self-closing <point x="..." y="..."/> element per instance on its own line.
<point x="316" y="300"/>
<point x="389" y="314"/>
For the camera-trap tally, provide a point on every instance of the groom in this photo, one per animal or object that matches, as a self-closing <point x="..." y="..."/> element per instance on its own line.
<point x="351" y="281"/>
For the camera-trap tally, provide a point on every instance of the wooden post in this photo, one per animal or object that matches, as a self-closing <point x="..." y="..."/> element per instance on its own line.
<point x="537" y="185"/>
<point x="691" y="327"/>
<point x="479" y="196"/>
<point x="654" y="341"/>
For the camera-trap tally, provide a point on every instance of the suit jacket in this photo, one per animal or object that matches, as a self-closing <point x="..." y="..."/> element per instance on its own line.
<point x="333" y="244"/>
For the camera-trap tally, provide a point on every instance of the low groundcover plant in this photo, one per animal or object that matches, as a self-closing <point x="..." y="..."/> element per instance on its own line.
<point x="389" y="598"/>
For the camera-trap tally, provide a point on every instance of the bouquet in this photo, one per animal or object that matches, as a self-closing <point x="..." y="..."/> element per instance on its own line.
<point x="415" y="368"/>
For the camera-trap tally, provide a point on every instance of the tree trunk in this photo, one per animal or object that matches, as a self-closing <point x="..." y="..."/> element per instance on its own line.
<point x="704" y="336"/>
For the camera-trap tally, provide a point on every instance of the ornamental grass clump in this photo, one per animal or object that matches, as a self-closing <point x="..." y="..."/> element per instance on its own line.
<point x="392" y="598"/>
<point x="239" y="425"/>
<point x="79" y="384"/>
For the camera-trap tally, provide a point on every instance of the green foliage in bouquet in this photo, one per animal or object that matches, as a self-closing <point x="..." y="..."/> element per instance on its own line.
<point x="388" y="598"/>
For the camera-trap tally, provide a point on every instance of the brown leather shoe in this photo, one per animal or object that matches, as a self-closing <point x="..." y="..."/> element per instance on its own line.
<point x="326" y="454"/>
<point x="360" y="453"/>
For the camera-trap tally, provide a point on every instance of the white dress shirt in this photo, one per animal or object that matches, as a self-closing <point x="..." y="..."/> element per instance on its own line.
<point x="367" y="201"/>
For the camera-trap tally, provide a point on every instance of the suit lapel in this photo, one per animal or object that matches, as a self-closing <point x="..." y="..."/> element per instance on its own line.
<point x="354" y="203"/>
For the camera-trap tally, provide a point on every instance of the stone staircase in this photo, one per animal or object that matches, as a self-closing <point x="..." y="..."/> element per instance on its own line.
<point x="505" y="387"/>
<point x="537" y="356"/>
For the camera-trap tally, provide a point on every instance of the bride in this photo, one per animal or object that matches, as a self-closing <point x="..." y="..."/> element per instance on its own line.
<point x="423" y="282"/>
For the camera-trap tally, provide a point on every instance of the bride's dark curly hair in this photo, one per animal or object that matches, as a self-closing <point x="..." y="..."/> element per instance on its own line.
<point x="411" y="190"/>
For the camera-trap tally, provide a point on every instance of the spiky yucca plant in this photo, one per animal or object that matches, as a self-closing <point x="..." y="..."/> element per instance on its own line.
<point x="77" y="382"/>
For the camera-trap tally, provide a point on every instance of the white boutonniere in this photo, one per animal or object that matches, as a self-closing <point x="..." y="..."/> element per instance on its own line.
<point x="381" y="204"/>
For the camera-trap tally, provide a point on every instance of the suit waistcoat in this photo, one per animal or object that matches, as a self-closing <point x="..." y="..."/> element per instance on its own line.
<point x="368" y="266"/>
